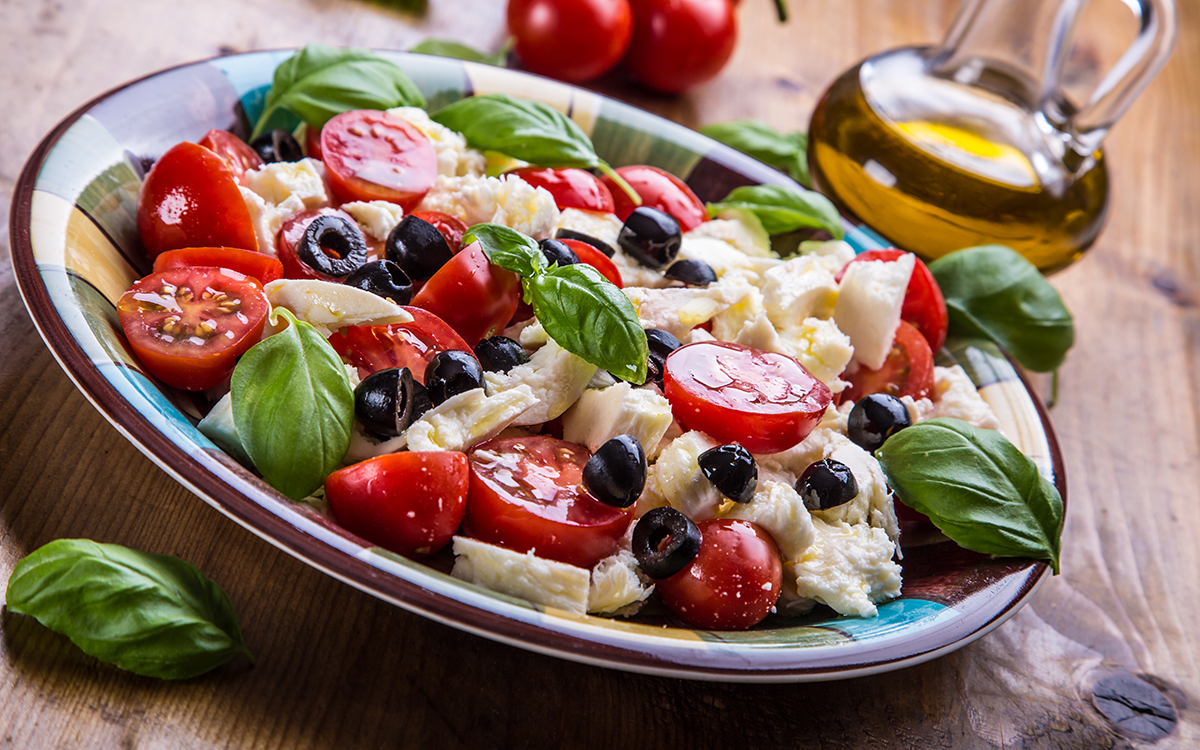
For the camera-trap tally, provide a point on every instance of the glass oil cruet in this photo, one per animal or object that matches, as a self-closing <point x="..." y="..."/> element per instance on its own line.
<point x="975" y="141"/>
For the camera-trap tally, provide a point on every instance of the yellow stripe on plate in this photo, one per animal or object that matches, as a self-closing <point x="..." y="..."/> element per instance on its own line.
<point x="62" y="235"/>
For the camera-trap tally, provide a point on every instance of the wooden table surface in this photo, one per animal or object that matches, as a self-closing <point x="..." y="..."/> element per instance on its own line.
<point x="337" y="668"/>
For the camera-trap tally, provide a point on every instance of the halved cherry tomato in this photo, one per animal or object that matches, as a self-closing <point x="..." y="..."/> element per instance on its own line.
<point x="572" y="40"/>
<point x="312" y="142"/>
<point x="658" y="189"/>
<point x="571" y="188"/>
<point x="597" y="260"/>
<point x="190" y="199"/>
<point x="411" y="345"/>
<point x="475" y="297"/>
<point x="188" y="326"/>
<point x="451" y="227"/>
<point x="410" y="503"/>
<point x="262" y="267"/>
<point x="236" y="154"/>
<point x="290" y="235"/>
<point x="527" y="494"/>
<point x="373" y="156"/>
<point x="908" y="370"/>
<point x="732" y="583"/>
<point x="677" y="44"/>
<point x="765" y="401"/>
<point x="924" y="305"/>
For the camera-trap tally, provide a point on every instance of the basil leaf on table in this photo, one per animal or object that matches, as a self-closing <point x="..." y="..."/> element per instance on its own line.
<point x="977" y="487"/>
<point x="782" y="209"/>
<point x="525" y="130"/>
<point x="153" y="615"/>
<point x="994" y="292"/>
<point x="787" y="153"/>
<point x="459" y="51"/>
<point x="319" y="82"/>
<point x="507" y="248"/>
<point x="293" y="407"/>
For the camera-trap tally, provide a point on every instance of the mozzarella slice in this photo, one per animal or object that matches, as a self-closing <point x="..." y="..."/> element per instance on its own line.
<point x="328" y="306"/>
<point x="278" y="181"/>
<point x="849" y="568"/>
<point x="868" y="306"/>
<point x="377" y="219"/>
<point x="541" y="581"/>
<point x="616" y="584"/>
<point x="556" y="377"/>
<point x="779" y="509"/>
<point x="600" y="415"/>
<point x="468" y="419"/>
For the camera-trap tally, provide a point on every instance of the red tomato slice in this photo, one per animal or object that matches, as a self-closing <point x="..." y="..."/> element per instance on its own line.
<point x="527" y="494"/>
<point x="410" y="503"/>
<point x="596" y="259"/>
<point x="924" y="305"/>
<point x="908" y="370"/>
<point x="476" y="298"/>
<point x="765" y="401"/>
<point x="732" y="583"/>
<point x="312" y="142"/>
<point x="411" y="345"/>
<point x="188" y="326"/>
<point x="571" y="188"/>
<point x="373" y="156"/>
<point x="236" y="154"/>
<point x="190" y="199"/>
<point x="290" y="235"/>
<point x="262" y="267"/>
<point x="451" y="227"/>
<point x="661" y="190"/>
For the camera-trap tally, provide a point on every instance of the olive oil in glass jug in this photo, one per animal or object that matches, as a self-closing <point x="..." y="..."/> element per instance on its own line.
<point x="974" y="142"/>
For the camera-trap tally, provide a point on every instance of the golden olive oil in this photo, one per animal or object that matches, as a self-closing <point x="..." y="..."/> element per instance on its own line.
<point x="935" y="166"/>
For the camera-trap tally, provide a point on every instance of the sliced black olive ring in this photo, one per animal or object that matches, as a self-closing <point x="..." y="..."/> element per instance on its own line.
<point x="332" y="246"/>
<point x="664" y="542"/>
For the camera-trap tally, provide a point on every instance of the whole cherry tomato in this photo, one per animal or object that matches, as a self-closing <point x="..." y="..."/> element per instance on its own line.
<point x="924" y="305"/>
<point x="236" y="154"/>
<point x="907" y="371"/>
<point x="191" y="199"/>
<point x="373" y="156"/>
<point x="678" y="44"/>
<point x="658" y="189"/>
<point x="411" y="345"/>
<point x="451" y="227"/>
<point x="572" y="40"/>
<point x="571" y="188"/>
<point x="264" y="268"/>
<point x="475" y="297"/>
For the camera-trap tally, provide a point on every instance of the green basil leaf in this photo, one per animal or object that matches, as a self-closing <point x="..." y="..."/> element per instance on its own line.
<point x="591" y="318"/>
<point x="783" y="209"/>
<point x="458" y="51"/>
<point x="319" y="82"/>
<point x="977" y="487"/>
<point x="507" y="248"/>
<point x="787" y="153"/>
<point x="149" y="614"/>
<point x="293" y="407"/>
<point x="994" y="292"/>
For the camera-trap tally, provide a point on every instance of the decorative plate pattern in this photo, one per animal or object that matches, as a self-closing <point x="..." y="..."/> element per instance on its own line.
<point x="75" y="250"/>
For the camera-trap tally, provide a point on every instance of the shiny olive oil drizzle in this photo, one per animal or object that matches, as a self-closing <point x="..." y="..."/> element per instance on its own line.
<point x="934" y="184"/>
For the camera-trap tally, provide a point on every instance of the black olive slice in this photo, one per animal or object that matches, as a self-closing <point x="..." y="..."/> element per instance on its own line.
<point x="418" y="247"/>
<point x="616" y="473"/>
<point x="596" y="242"/>
<point x="557" y="252"/>
<point x="500" y="354"/>
<point x="277" y="145"/>
<point x="450" y="373"/>
<point x="382" y="278"/>
<point x="732" y="470"/>
<point x="664" y="542"/>
<point x="691" y="272"/>
<point x="874" y="419"/>
<point x="384" y="402"/>
<point x="332" y="246"/>
<point x="827" y="484"/>
<point x="651" y="237"/>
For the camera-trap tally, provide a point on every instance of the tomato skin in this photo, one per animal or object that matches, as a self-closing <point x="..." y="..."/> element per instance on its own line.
<point x="410" y="503"/>
<point x="732" y="583"/>
<point x="572" y="40"/>
<point x="235" y="152"/>
<point x="571" y="188"/>
<point x="764" y="401"/>
<point x="183" y="298"/>
<point x="411" y="345"/>
<point x="678" y="44"/>
<point x="190" y="199"/>
<point x="451" y="227"/>
<point x="290" y="235"/>
<point x="924" y="306"/>
<point x="907" y="371"/>
<point x="596" y="259"/>
<point x="561" y="522"/>
<point x="658" y="189"/>
<point x="473" y="296"/>
<point x="264" y="268"/>
<point x="312" y="142"/>
<point x="373" y="156"/>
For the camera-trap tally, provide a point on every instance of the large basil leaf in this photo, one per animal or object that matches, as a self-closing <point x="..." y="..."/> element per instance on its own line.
<point x="154" y="615"/>
<point x="293" y="407"/>
<point x="977" y="487"/>
<point x="787" y="153"/>
<point x="783" y="209"/>
<point x="319" y="82"/>
<point x="994" y="292"/>
<point x="507" y="248"/>
<point x="590" y="318"/>
<point x="459" y="51"/>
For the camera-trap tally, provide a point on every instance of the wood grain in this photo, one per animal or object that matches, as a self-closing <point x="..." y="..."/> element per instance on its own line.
<point x="336" y="668"/>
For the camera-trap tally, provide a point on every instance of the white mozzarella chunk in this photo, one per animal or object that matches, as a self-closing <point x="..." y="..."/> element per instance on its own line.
<point x="868" y="306"/>
<point x="833" y="254"/>
<point x="778" y="508"/>
<point x="675" y="479"/>
<point x="533" y="336"/>
<point x="278" y="181"/>
<point x="599" y="224"/>
<point x="954" y="395"/>
<point x="467" y="419"/>
<point x="364" y="445"/>
<point x="724" y="258"/>
<point x="454" y="157"/>
<point x="728" y="324"/>
<point x="328" y="306"/>
<point x="797" y="289"/>
<point x="739" y="228"/>
<point x="268" y="218"/>
<point x="556" y="377"/>
<point x="635" y="275"/>
<point x="521" y="574"/>
<point x="848" y="567"/>
<point x="506" y="200"/>
<point x="616" y="584"/>
<point x="821" y="347"/>
<point x="377" y="219"/>
<point x="677" y="311"/>
<point x="600" y="415"/>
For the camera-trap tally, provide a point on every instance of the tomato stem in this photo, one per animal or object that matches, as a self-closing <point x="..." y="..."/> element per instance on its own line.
<point x="781" y="10"/>
<point x="621" y="183"/>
